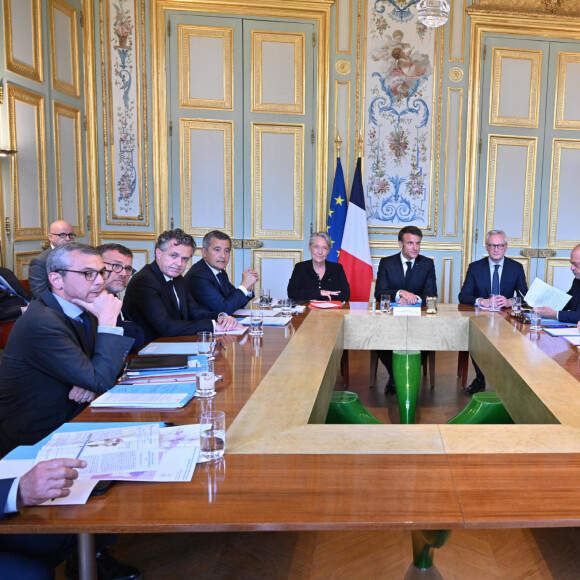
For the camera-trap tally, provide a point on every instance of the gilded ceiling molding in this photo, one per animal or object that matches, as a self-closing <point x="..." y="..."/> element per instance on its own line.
<point x="535" y="7"/>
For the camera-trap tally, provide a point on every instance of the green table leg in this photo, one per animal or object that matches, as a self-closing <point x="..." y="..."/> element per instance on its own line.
<point x="345" y="408"/>
<point x="484" y="408"/>
<point x="424" y="544"/>
<point x="407" y="375"/>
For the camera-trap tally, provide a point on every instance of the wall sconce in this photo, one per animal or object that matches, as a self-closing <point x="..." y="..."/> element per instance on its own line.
<point x="433" y="13"/>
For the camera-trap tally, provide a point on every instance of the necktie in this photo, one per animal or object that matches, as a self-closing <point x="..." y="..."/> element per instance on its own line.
<point x="408" y="272"/>
<point x="86" y="321"/>
<point x="174" y="292"/>
<point x="495" y="280"/>
<point x="223" y="282"/>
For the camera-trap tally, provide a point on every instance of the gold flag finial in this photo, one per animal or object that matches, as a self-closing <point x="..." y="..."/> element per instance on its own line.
<point x="338" y="144"/>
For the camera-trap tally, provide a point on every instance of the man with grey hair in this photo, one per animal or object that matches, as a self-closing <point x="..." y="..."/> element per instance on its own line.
<point x="157" y="297"/>
<point x="497" y="275"/>
<point x="59" y="233"/>
<point x="63" y="351"/>
<point x="208" y="281"/>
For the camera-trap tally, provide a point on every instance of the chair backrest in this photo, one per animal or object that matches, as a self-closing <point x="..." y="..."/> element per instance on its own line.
<point x="26" y="285"/>
<point x="5" y="328"/>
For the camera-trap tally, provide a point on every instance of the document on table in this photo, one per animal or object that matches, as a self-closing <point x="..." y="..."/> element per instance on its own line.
<point x="273" y="321"/>
<point x="108" y="452"/>
<point x="273" y="301"/>
<point x="148" y="395"/>
<point x="235" y="331"/>
<point x="542" y="294"/>
<point x="79" y="492"/>
<point x="170" y="348"/>
<point x="569" y="331"/>
<point x="575" y="340"/>
<point x="248" y="311"/>
<point x="406" y="310"/>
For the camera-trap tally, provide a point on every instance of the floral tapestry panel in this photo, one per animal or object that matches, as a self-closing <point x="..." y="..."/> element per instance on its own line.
<point x="124" y="110"/>
<point x="399" y="102"/>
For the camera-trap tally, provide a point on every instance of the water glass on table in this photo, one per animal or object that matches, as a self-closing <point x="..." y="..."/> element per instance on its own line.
<point x="265" y="298"/>
<point x="493" y="303"/>
<point x="204" y="342"/>
<point x="213" y="434"/>
<point x="535" y="319"/>
<point x="385" y="303"/>
<point x="516" y="306"/>
<point x="205" y="381"/>
<point x="286" y="306"/>
<point x="256" y="323"/>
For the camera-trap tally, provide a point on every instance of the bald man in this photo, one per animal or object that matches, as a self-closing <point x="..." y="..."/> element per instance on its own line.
<point x="60" y="232"/>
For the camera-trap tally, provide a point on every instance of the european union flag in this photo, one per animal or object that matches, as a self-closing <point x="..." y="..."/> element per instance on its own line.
<point x="337" y="213"/>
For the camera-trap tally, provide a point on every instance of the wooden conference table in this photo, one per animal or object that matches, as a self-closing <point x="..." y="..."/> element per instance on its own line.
<point x="285" y="470"/>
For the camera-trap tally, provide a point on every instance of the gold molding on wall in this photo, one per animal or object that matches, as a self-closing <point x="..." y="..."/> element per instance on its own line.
<point x="22" y="259"/>
<point x="459" y="91"/>
<point x="535" y="58"/>
<point x="72" y="89"/>
<point x="564" y="58"/>
<point x="187" y="180"/>
<point x="315" y="10"/>
<point x="259" y="37"/>
<point x="551" y="265"/>
<point x="259" y="255"/>
<point x="492" y="17"/>
<point x="336" y="35"/>
<point x="36" y="101"/>
<point x="258" y="229"/>
<point x="60" y="109"/>
<point x="131" y="235"/>
<point x="226" y="34"/>
<point x="33" y="72"/>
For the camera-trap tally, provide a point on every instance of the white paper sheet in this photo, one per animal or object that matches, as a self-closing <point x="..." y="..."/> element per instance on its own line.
<point x="542" y="294"/>
<point x="170" y="348"/>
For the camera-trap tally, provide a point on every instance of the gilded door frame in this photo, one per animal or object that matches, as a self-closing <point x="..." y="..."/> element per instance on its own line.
<point x="488" y="18"/>
<point x="316" y="10"/>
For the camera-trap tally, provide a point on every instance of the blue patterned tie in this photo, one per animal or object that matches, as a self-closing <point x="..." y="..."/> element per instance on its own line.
<point x="495" y="280"/>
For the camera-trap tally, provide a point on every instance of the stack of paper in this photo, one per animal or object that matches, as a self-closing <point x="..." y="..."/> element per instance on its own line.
<point x="148" y="395"/>
<point x="324" y="304"/>
<point x="406" y="310"/>
<point x="270" y="321"/>
<point x="159" y="375"/>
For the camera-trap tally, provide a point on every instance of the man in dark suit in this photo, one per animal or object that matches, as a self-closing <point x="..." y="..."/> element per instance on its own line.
<point x="13" y="296"/>
<point x="118" y="261"/>
<point x="407" y="277"/>
<point x="208" y="281"/>
<point x="157" y="297"/>
<point x="571" y="312"/>
<point x="497" y="275"/>
<point x="56" y="361"/>
<point x="59" y="233"/>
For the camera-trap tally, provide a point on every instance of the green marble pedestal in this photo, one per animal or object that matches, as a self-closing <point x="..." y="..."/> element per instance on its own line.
<point x="407" y="375"/>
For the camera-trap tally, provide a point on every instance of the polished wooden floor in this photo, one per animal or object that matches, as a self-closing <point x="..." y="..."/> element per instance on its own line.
<point x="469" y="554"/>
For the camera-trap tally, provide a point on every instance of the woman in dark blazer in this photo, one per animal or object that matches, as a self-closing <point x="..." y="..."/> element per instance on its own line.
<point x="318" y="279"/>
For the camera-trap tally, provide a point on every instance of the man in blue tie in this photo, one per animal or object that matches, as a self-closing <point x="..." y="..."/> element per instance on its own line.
<point x="208" y="281"/>
<point x="497" y="275"/>
<point x="408" y="278"/>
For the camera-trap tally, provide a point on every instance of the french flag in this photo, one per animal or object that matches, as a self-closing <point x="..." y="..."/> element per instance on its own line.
<point x="355" y="252"/>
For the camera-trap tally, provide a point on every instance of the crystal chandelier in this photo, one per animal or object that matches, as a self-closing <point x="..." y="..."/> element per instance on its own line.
<point x="433" y="13"/>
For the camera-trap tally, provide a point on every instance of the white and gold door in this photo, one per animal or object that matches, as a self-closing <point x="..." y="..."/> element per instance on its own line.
<point x="529" y="161"/>
<point x="241" y="145"/>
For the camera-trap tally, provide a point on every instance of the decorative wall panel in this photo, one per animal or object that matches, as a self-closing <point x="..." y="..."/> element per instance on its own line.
<point x="568" y="109"/>
<point x="206" y="154"/>
<point x="274" y="268"/>
<point x="452" y="161"/>
<point x="206" y="83"/>
<point x="64" y="48"/>
<point x="27" y="135"/>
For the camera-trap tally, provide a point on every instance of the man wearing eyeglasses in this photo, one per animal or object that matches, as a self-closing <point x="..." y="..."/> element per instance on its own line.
<point x="118" y="260"/>
<point x="63" y="351"/>
<point x="497" y="275"/>
<point x="60" y="232"/>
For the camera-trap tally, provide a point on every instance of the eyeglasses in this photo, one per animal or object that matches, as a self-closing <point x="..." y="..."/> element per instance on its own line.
<point x="70" y="235"/>
<point x="496" y="246"/>
<point x="117" y="268"/>
<point x="90" y="275"/>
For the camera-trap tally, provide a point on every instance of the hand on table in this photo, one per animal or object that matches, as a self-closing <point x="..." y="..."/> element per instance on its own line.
<point x="407" y="298"/>
<point x="500" y="302"/>
<point x="48" y="480"/>
<point x="329" y="293"/>
<point x="80" y="396"/>
<point x="226" y="322"/>
<point x="547" y="312"/>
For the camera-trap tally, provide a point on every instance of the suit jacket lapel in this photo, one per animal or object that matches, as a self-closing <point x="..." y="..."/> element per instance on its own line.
<point x="182" y="294"/>
<point x="165" y="288"/>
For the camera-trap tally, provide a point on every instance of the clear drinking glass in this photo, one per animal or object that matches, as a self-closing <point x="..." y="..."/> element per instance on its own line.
<point x="204" y="342"/>
<point x="517" y="305"/>
<point x="264" y="298"/>
<point x="205" y="385"/>
<point x="257" y="323"/>
<point x="286" y="306"/>
<point x="213" y="434"/>
<point x="535" y="319"/>
<point x="385" y="303"/>
<point x="493" y="303"/>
